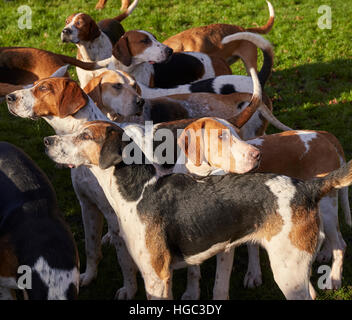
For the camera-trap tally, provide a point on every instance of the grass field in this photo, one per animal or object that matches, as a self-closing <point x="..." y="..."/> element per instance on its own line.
<point x="311" y="88"/>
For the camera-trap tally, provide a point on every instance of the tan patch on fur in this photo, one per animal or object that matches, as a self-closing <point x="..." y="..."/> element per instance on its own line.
<point x="57" y="97"/>
<point x="305" y="229"/>
<point x="87" y="28"/>
<point x="285" y="153"/>
<point x="271" y="227"/>
<point x="220" y="66"/>
<point x="8" y="258"/>
<point x="160" y="254"/>
<point x="135" y="42"/>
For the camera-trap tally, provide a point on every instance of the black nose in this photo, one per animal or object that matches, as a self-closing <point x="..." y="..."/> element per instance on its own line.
<point x="11" y="97"/>
<point x="67" y="31"/>
<point x="169" y="51"/>
<point x="48" y="141"/>
<point x="140" y="102"/>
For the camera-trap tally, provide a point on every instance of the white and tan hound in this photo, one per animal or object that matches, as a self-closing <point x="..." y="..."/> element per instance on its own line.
<point x="94" y="41"/>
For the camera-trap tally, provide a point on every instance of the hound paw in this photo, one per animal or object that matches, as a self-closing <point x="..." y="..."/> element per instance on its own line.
<point x="252" y="280"/>
<point x="190" y="295"/>
<point x="86" y="278"/>
<point x="125" y="294"/>
<point x="106" y="239"/>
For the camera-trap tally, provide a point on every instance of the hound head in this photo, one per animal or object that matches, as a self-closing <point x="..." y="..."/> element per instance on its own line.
<point x="47" y="97"/>
<point x="115" y="93"/>
<point x="215" y="143"/>
<point x="80" y="27"/>
<point x="138" y="46"/>
<point x="97" y="143"/>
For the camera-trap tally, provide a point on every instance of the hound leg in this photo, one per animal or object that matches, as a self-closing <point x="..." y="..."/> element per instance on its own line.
<point x="291" y="269"/>
<point x="193" y="277"/>
<point x="127" y="265"/>
<point x="7" y="294"/>
<point x="253" y="277"/>
<point x="100" y="4"/>
<point x="157" y="288"/>
<point x="329" y="211"/>
<point x="224" y="262"/>
<point x="93" y="226"/>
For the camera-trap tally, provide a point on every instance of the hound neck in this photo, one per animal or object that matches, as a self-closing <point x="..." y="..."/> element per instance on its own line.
<point x="141" y="71"/>
<point x="98" y="49"/>
<point x="72" y="123"/>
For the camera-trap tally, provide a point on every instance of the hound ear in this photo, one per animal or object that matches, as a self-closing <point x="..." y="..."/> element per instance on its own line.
<point x="93" y="89"/>
<point x="72" y="98"/>
<point x="191" y="142"/>
<point x="94" y="31"/>
<point x="61" y="72"/>
<point x="121" y="51"/>
<point x="111" y="151"/>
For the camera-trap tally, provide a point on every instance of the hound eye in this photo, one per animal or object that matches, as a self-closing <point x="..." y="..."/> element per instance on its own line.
<point x="78" y="23"/>
<point x="42" y="88"/>
<point x="67" y="22"/>
<point x="85" y="136"/>
<point x="224" y="136"/>
<point x="146" y="40"/>
<point x="117" y="86"/>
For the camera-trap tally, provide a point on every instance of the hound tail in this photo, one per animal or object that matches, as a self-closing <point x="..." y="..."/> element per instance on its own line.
<point x="338" y="179"/>
<point x="268" y="115"/>
<point x="79" y="63"/>
<point x="261" y="43"/>
<point x="240" y="119"/>
<point x="268" y="26"/>
<point x="129" y="10"/>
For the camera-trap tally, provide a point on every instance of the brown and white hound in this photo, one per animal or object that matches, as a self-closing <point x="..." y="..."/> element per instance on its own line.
<point x="94" y="41"/>
<point x="151" y="62"/>
<point x="208" y="39"/>
<point x="302" y="154"/>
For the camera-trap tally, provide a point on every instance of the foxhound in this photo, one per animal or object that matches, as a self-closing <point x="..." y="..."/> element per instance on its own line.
<point x="208" y="39"/>
<point x="303" y="154"/>
<point x="35" y="242"/>
<point x="94" y="41"/>
<point x="276" y="211"/>
<point x="140" y="54"/>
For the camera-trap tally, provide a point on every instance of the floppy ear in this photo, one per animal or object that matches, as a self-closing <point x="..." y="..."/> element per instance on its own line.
<point x="93" y="89"/>
<point x="191" y="141"/>
<point x="61" y="72"/>
<point x="94" y="30"/>
<point x="111" y="151"/>
<point x="72" y="99"/>
<point x="121" y="51"/>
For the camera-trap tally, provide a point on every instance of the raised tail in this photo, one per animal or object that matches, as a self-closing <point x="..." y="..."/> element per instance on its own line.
<point x="261" y="43"/>
<point x="240" y="119"/>
<point x="129" y="10"/>
<point x="337" y="179"/>
<point x="268" y="115"/>
<point x="268" y="26"/>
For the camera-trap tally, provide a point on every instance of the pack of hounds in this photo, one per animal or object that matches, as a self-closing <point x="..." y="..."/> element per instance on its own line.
<point x="279" y="191"/>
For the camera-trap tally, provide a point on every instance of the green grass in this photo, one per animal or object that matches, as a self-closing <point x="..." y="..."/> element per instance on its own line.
<point x="310" y="87"/>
